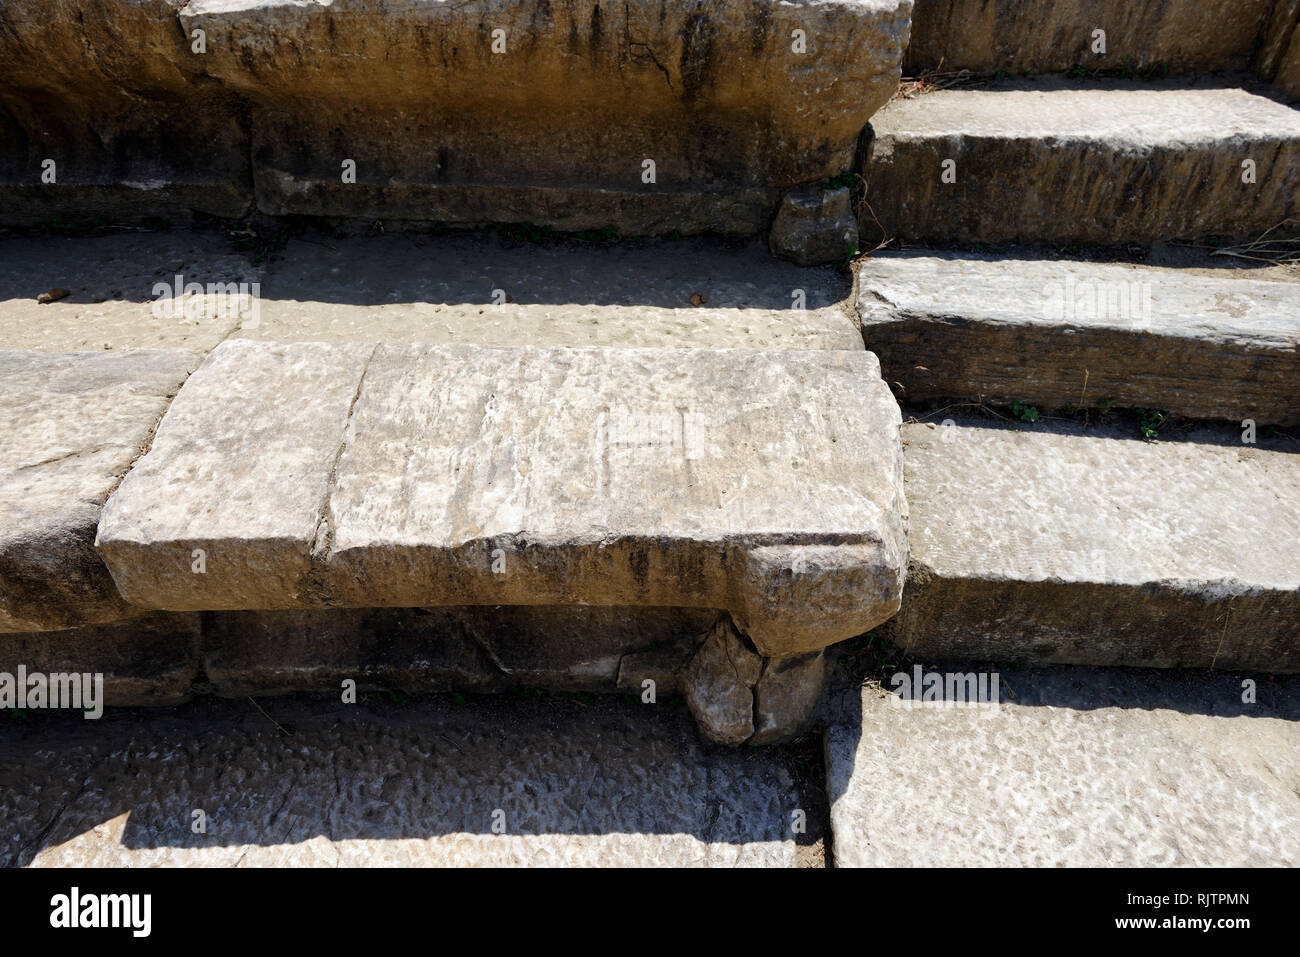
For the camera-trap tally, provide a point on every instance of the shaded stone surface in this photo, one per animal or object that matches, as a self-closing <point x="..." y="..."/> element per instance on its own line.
<point x="152" y="659"/>
<point x="1278" y="57"/>
<point x="317" y="783"/>
<point x="74" y="424"/>
<point x="785" y="695"/>
<point x="1049" y="36"/>
<point x="1078" y="767"/>
<point x="693" y="292"/>
<point x="1052" y="547"/>
<point x="431" y="649"/>
<point x="814" y="226"/>
<point x="1059" y="161"/>
<point x="1061" y="334"/>
<point x="111" y="91"/>
<point x="763" y="483"/>
<point x="112" y="303"/>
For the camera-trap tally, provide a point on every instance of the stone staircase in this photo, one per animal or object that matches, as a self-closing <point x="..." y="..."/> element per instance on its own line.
<point x="1049" y="419"/>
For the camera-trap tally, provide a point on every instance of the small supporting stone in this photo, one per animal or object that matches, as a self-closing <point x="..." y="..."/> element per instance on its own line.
<point x="814" y="226"/>
<point x="739" y="697"/>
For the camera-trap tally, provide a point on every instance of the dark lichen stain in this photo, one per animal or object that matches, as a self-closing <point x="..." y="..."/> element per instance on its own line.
<point x="698" y="33"/>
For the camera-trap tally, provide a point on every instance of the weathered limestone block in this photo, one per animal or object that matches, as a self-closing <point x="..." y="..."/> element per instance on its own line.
<point x="1083" y="767"/>
<point x="74" y="423"/>
<point x="1058" y="334"/>
<point x="739" y="697"/>
<point x="523" y="110"/>
<point x="1048" y="36"/>
<point x="1075" y="549"/>
<point x="815" y="226"/>
<point x="222" y="511"/>
<point x="719" y="685"/>
<point x="767" y="484"/>
<point x="1039" y="161"/>
<point x="439" y="649"/>
<point x="147" y="660"/>
<point x="112" y="92"/>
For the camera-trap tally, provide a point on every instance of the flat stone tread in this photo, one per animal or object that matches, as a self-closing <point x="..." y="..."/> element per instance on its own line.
<point x="1119" y="115"/>
<point x="609" y="783"/>
<point x="246" y="449"/>
<point x="1005" y="504"/>
<point x="469" y="289"/>
<point x="1078" y="767"/>
<point x="985" y="289"/>
<point x="449" y="445"/>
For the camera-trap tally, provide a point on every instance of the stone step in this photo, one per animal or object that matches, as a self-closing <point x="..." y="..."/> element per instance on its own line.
<point x="1072" y="334"/>
<point x="640" y="118"/>
<point x="310" y="475"/>
<point x="485" y="781"/>
<point x="1074" y="767"/>
<point x="1063" y="546"/>
<point x="75" y="422"/>
<point x="1052" y="36"/>
<point x="1059" y="161"/>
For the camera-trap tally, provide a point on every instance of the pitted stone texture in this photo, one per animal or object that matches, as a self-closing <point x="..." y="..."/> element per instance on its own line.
<point x="74" y="424"/>
<point x="1051" y="36"/>
<point x="555" y="128"/>
<point x="1044" y="161"/>
<point x="457" y="288"/>
<point x="814" y="226"/>
<point x="1076" y="549"/>
<point x="763" y="483"/>
<point x="609" y="783"/>
<point x="113" y="304"/>
<point x="148" y="660"/>
<point x="719" y="685"/>
<point x="439" y="649"/>
<point x="239" y="472"/>
<point x="1062" y="334"/>
<point x="1078" y="767"/>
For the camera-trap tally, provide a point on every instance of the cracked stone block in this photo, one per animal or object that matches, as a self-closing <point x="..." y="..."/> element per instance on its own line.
<point x="814" y="226"/>
<point x="440" y="649"/>
<point x="152" y="659"/>
<point x="74" y="424"/>
<point x="767" y="484"/>
<point x="719" y="685"/>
